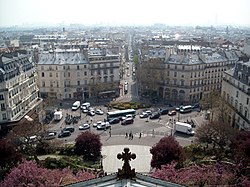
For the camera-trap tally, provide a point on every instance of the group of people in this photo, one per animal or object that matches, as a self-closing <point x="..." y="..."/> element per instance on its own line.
<point x="131" y="136"/>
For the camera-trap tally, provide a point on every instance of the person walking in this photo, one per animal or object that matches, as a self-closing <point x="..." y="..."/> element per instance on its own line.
<point x="126" y="135"/>
<point x="132" y="136"/>
<point x="140" y="135"/>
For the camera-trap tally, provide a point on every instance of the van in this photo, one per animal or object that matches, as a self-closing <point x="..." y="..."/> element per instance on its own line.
<point x="76" y="105"/>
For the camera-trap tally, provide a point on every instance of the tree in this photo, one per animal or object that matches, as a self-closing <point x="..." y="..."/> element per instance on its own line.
<point x="28" y="173"/>
<point x="201" y="175"/>
<point x="9" y="157"/>
<point x="89" y="145"/>
<point x="241" y="147"/>
<point x="9" y="154"/>
<point x="219" y="134"/>
<point x="165" y="151"/>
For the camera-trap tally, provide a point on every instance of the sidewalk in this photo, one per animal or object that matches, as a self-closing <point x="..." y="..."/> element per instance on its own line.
<point x="140" y="146"/>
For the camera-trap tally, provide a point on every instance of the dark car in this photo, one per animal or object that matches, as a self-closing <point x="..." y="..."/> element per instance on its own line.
<point x="127" y="121"/>
<point x="164" y="111"/>
<point x="70" y="129"/>
<point x="114" y="120"/>
<point x="64" y="133"/>
<point x="155" y="115"/>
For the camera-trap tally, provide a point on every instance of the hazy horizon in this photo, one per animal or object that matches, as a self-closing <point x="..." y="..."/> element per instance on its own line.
<point x="119" y="12"/>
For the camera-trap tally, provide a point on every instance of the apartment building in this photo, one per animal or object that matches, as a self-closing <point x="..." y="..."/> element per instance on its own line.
<point x="79" y="74"/>
<point x="63" y="74"/>
<point x="104" y="73"/>
<point x="236" y="92"/>
<point x="186" y="74"/>
<point x="18" y="86"/>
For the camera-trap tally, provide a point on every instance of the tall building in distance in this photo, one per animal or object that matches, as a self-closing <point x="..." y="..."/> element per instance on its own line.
<point x="18" y="83"/>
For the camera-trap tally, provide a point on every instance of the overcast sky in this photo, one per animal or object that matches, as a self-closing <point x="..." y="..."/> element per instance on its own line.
<point x="146" y="12"/>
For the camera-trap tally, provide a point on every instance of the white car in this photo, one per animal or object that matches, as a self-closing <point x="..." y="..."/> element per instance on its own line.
<point x="99" y="112"/>
<point x="125" y="82"/>
<point x="84" y="126"/>
<point x="127" y="116"/>
<point x="144" y="115"/>
<point x="97" y="123"/>
<point x="103" y="126"/>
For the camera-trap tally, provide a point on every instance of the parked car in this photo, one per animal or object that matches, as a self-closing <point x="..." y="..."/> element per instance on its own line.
<point x="91" y="113"/>
<point x="114" y="120"/>
<point x="144" y="115"/>
<point x="149" y="112"/>
<point x="125" y="82"/>
<point x="164" y="111"/>
<point x="64" y="133"/>
<point x="69" y="128"/>
<point x="155" y="115"/>
<point x="127" y="121"/>
<point x="84" y="126"/>
<point x="172" y="113"/>
<point x="99" y="112"/>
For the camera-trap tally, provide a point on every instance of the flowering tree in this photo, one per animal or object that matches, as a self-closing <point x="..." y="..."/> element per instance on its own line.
<point x="28" y="173"/>
<point x="201" y="175"/>
<point x="241" y="147"/>
<point x="165" y="151"/>
<point x="89" y="145"/>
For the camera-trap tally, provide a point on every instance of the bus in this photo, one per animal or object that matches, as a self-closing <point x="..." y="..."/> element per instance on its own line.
<point x="185" y="109"/>
<point x="120" y="113"/>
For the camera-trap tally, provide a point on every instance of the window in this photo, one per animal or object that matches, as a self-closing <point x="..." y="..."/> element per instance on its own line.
<point x="42" y="68"/>
<point x="78" y="74"/>
<point x="78" y="83"/>
<point x="247" y="101"/>
<point x="85" y="66"/>
<point x="104" y="71"/>
<point x="51" y="83"/>
<point x="182" y="82"/>
<point x="85" y="73"/>
<point x="42" y="74"/>
<point x="2" y="106"/>
<point x="56" y="74"/>
<point x="175" y="74"/>
<point x="237" y="94"/>
<point x="111" y="71"/>
<point x="78" y="67"/>
<point x="4" y="116"/>
<point x="105" y="79"/>
<point x="1" y="97"/>
<point x="43" y="83"/>
<point x="50" y="74"/>
<point x="68" y="74"/>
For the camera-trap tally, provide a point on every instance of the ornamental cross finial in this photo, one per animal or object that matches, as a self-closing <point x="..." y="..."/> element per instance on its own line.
<point x="126" y="171"/>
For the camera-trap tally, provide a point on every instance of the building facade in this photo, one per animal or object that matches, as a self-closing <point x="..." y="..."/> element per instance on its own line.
<point x="236" y="92"/>
<point x="184" y="75"/>
<point x="18" y="86"/>
<point x="77" y="73"/>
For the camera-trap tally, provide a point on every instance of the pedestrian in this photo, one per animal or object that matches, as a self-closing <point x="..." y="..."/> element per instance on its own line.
<point x="153" y="132"/>
<point x="126" y="135"/>
<point x="159" y="119"/>
<point x="132" y="136"/>
<point x="140" y="135"/>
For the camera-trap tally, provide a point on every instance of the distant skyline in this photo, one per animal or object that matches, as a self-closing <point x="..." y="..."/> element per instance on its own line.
<point x="124" y="12"/>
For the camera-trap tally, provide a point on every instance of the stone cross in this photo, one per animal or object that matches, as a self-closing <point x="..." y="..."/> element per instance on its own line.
<point x="126" y="171"/>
